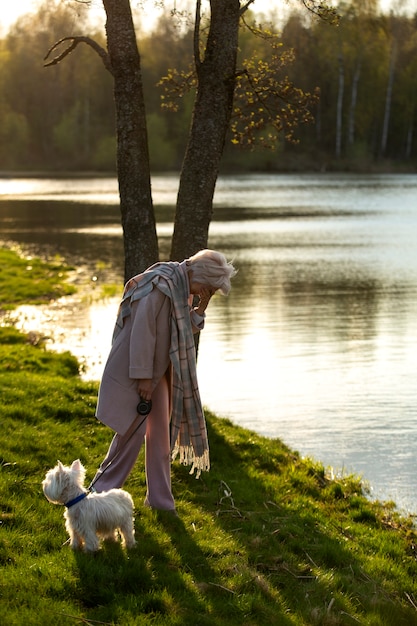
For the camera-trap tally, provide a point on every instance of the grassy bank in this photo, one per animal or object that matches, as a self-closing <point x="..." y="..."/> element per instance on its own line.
<point x="28" y="280"/>
<point x="264" y="538"/>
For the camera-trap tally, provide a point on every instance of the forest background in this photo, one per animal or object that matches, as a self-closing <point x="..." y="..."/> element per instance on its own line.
<point x="62" y="118"/>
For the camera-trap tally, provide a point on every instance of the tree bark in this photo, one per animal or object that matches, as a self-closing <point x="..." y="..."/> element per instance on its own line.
<point x="211" y="117"/>
<point x="133" y="170"/>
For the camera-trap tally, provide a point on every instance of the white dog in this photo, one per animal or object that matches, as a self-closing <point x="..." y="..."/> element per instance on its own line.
<point x="89" y="516"/>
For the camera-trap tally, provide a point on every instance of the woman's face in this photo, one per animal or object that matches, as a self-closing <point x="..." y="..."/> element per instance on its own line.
<point x="197" y="289"/>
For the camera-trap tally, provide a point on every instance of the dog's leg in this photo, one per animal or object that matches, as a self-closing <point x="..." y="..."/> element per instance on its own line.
<point x="76" y="541"/>
<point x="128" y="534"/>
<point x="91" y="541"/>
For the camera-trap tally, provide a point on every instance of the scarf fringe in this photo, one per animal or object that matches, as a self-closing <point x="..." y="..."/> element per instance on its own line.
<point x="187" y="457"/>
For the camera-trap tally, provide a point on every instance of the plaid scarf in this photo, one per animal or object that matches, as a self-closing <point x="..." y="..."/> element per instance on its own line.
<point x="188" y="425"/>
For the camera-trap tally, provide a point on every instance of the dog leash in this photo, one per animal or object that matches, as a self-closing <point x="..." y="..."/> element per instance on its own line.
<point x="144" y="408"/>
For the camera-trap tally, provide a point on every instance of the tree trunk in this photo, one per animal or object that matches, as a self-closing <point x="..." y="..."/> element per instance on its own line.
<point x="339" y="109"/>
<point x="211" y="117"/>
<point x="133" y="170"/>
<point x="353" y="101"/>
<point x="409" y="140"/>
<point x="388" y="98"/>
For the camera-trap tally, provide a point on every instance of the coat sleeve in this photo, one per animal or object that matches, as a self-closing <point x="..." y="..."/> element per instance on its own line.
<point x="197" y="321"/>
<point x="150" y="335"/>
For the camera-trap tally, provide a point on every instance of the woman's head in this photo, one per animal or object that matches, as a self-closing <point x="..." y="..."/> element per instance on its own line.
<point x="210" y="267"/>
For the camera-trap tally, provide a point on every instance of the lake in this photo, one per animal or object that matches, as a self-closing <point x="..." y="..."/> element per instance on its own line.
<point x="317" y="342"/>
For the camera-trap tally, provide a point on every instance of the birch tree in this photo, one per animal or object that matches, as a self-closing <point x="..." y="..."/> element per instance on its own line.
<point x="388" y="97"/>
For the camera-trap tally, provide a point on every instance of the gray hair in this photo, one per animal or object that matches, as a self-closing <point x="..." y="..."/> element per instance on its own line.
<point x="212" y="268"/>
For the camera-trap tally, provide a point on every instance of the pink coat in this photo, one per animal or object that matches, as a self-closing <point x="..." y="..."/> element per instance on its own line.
<point x="140" y="350"/>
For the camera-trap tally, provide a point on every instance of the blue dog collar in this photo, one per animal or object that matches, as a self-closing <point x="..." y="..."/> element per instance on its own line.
<point x="75" y="500"/>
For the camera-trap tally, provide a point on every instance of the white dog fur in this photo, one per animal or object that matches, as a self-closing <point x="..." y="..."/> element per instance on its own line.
<point x="96" y="516"/>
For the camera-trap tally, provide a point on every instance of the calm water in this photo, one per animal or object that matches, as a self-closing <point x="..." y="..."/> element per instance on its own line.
<point x="316" y="343"/>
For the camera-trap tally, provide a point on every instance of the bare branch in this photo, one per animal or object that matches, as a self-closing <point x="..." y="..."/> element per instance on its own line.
<point x="246" y="6"/>
<point x="197" y="58"/>
<point x="74" y="41"/>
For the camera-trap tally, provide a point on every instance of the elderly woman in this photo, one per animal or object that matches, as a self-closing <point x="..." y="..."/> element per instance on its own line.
<point x="153" y="358"/>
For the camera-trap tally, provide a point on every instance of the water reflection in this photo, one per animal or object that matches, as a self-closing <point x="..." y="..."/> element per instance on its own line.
<point x="316" y="343"/>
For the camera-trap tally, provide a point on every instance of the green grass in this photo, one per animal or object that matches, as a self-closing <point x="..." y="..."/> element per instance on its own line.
<point x="265" y="537"/>
<point x="28" y="280"/>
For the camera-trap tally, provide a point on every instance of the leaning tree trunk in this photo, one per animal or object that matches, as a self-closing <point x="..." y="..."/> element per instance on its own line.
<point x="211" y="117"/>
<point x="133" y="170"/>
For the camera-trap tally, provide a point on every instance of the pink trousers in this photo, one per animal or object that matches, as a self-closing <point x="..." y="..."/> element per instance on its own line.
<point x="124" y="450"/>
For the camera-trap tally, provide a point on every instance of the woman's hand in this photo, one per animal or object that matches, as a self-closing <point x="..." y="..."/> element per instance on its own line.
<point x="145" y="388"/>
<point x="206" y="293"/>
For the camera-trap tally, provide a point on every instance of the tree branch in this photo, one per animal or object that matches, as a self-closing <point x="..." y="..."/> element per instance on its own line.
<point x="322" y="10"/>
<point x="246" y="6"/>
<point x="71" y="46"/>
<point x="197" y="58"/>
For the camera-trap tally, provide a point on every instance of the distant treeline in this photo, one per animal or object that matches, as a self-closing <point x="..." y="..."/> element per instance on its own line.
<point x="62" y="117"/>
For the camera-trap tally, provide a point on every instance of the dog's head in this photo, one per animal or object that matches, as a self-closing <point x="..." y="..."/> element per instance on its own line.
<point x="60" y="481"/>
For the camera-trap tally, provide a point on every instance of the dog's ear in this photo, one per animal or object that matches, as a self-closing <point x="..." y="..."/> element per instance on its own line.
<point x="76" y="466"/>
<point x="78" y="472"/>
<point x="61" y="467"/>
